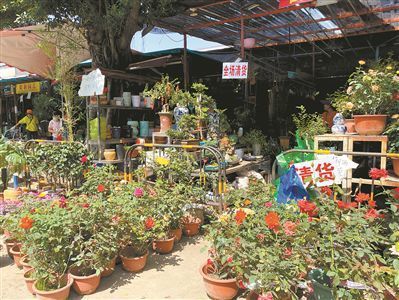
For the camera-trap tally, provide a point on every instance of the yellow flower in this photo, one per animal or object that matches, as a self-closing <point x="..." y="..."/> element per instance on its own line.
<point x="362" y="62"/>
<point x="375" y="88"/>
<point x="248" y="211"/>
<point x="395" y="116"/>
<point x="42" y="194"/>
<point x="349" y="105"/>
<point x="247" y="202"/>
<point x="224" y="218"/>
<point x="366" y="78"/>
<point x="389" y="68"/>
<point x="162" y="161"/>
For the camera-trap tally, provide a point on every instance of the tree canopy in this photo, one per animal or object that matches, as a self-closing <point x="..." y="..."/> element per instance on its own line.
<point x="108" y="25"/>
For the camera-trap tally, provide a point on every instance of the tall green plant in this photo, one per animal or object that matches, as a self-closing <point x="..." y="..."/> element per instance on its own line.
<point x="308" y="125"/>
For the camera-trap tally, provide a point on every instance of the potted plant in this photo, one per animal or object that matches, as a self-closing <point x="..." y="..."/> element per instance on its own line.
<point x="372" y="94"/>
<point x="255" y="139"/>
<point x="341" y="101"/>
<point x="203" y="104"/>
<point x="163" y="239"/>
<point x="163" y="90"/>
<point x="29" y="277"/>
<point x="393" y="138"/>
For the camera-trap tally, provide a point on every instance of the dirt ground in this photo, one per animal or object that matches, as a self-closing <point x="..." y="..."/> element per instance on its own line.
<point x="170" y="276"/>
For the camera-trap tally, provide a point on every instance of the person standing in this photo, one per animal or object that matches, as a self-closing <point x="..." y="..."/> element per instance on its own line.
<point x="31" y="123"/>
<point x="55" y="127"/>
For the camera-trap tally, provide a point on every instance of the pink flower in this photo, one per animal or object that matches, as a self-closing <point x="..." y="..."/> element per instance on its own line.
<point x="267" y="296"/>
<point x="138" y="192"/>
<point x="86" y="205"/>
<point x="289" y="228"/>
<point x="268" y="204"/>
<point x="83" y="160"/>
<point x="229" y="259"/>
<point x="287" y="252"/>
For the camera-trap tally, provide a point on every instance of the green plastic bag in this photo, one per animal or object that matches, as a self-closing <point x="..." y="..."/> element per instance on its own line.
<point x="94" y="129"/>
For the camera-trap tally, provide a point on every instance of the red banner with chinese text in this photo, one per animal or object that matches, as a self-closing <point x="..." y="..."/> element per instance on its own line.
<point x="287" y="3"/>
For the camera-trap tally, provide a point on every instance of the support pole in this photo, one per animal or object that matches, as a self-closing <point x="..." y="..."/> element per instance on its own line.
<point x="242" y="38"/>
<point x="185" y="64"/>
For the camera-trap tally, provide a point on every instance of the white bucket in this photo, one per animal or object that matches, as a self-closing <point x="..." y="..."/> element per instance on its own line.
<point x="136" y="101"/>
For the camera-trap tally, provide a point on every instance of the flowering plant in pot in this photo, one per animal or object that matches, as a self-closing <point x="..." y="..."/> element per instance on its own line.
<point x="98" y="180"/>
<point x="372" y="95"/>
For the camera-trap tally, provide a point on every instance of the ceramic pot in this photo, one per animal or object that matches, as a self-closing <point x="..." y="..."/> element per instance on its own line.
<point x="116" y="132"/>
<point x="29" y="281"/>
<point x="109" y="154"/>
<point x="10" y="242"/>
<point x="127" y="98"/>
<point x="166" y="121"/>
<point x="136" y="99"/>
<point x="192" y="228"/>
<point x="395" y="163"/>
<point x="256" y="149"/>
<point x="221" y="289"/>
<point x="179" y="112"/>
<point x="131" y="263"/>
<point x="58" y="294"/>
<point x="17" y="255"/>
<point x="350" y="126"/>
<point x="109" y="269"/>
<point x="144" y="128"/>
<point x="370" y="124"/>
<point x="84" y="285"/>
<point x="120" y="152"/>
<point x="176" y="233"/>
<point x="163" y="246"/>
<point x="25" y="263"/>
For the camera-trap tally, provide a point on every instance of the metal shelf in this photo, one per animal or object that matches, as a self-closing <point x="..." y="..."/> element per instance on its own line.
<point x="113" y="141"/>
<point x="95" y="106"/>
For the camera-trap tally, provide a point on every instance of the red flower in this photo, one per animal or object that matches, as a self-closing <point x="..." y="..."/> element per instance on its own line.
<point x="307" y="207"/>
<point x="378" y="173"/>
<point x="287" y="252"/>
<point x="62" y="203"/>
<point x="343" y="205"/>
<point x="241" y="284"/>
<point x="32" y="211"/>
<point x="149" y="223"/>
<point x="362" y="197"/>
<point x="83" y="159"/>
<point x="289" y="228"/>
<point x="372" y="203"/>
<point x="100" y="188"/>
<point x="267" y="296"/>
<point x="240" y="216"/>
<point x="26" y="223"/>
<point x="372" y="213"/>
<point x="209" y="262"/>
<point x="116" y="219"/>
<point x="86" y="205"/>
<point x="396" y="193"/>
<point x="229" y="259"/>
<point x="272" y="220"/>
<point x="327" y="191"/>
<point x="268" y="204"/>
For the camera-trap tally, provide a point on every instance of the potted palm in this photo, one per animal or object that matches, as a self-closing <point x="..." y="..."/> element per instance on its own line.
<point x="164" y="90"/>
<point x="371" y="93"/>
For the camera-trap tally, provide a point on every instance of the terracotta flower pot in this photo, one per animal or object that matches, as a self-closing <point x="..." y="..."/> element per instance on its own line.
<point x="84" y="285"/>
<point x="58" y="294"/>
<point x="163" y="246"/>
<point x="176" y="233"/>
<point x="109" y="154"/>
<point x="166" y="121"/>
<point x="350" y="125"/>
<point x="29" y="281"/>
<point x="10" y="242"/>
<point x="133" y="264"/>
<point x="25" y="263"/>
<point x="395" y="163"/>
<point x="221" y="289"/>
<point x="370" y="124"/>
<point x="17" y="255"/>
<point x="192" y="228"/>
<point x="109" y="269"/>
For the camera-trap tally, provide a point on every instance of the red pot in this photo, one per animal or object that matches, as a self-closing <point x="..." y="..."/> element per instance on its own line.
<point x="395" y="163"/>
<point x="166" y="121"/>
<point x="25" y="263"/>
<point x="17" y="255"/>
<point x="29" y="281"/>
<point x="192" y="228"/>
<point x="109" y="269"/>
<point x="84" y="285"/>
<point x="370" y="124"/>
<point x="163" y="246"/>
<point x="176" y="233"/>
<point x="133" y="264"/>
<point x="10" y="242"/>
<point x="220" y="289"/>
<point x="58" y="294"/>
<point x="350" y="126"/>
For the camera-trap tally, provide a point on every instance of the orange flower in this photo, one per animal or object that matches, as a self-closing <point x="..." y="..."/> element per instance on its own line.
<point x="372" y="203"/>
<point x="272" y="220"/>
<point x="100" y="188"/>
<point x="343" y="205"/>
<point x="378" y="173"/>
<point x="149" y="223"/>
<point x="307" y="207"/>
<point x="240" y="216"/>
<point x="326" y="190"/>
<point x="247" y="202"/>
<point x="26" y="223"/>
<point x="362" y="197"/>
<point x="372" y="213"/>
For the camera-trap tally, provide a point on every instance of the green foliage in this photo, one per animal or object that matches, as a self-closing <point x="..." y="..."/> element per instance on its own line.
<point x="253" y="137"/>
<point x="308" y="125"/>
<point x="44" y="106"/>
<point x="163" y="90"/>
<point x="393" y="136"/>
<point x="12" y="156"/>
<point x="95" y="176"/>
<point x="186" y="125"/>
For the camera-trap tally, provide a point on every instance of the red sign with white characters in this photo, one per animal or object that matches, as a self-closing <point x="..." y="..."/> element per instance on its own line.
<point x="235" y="70"/>
<point x="286" y="3"/>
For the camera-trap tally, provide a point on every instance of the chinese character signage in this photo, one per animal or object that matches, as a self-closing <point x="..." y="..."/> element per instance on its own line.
<point x="235" y="70"/>
<point x="28" y="87"/>
<point x="286" y="3"/>
<point x="325" y="171"/>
